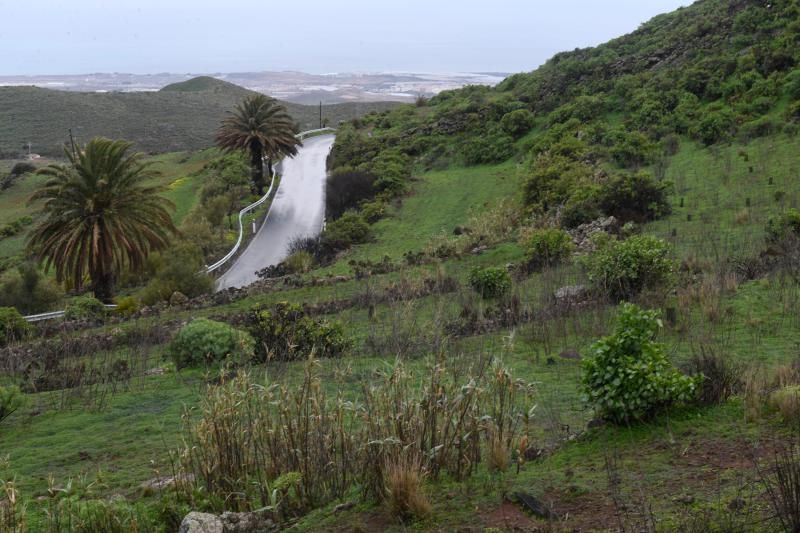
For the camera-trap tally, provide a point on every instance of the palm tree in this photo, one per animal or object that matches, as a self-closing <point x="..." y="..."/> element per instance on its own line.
<point x="263" y="128"/>
<point x="99" y="216"/>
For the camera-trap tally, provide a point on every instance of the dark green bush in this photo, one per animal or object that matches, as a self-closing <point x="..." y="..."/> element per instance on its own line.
<point x="637" y="197"/>
<point x="373" y="211"/>
<point x="629" y="377"/>
<point x="345" y="231"/>
<point x="492" y="147"/>
<point x="491" y="282"/>
<point x="204" y="341"/>
<point x="85" y="307"/>
<point x="621" y="269"/>
<point x="547" y="247"/>
<point x="517" y="123"/>
<point x="345" y="189"/>
<point x="285" y="333"/>
<point x="12" y="326"/>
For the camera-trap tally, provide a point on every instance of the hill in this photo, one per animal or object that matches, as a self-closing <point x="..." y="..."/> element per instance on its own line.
<point x="204" y="84"/>
<point x="181" y="117"/>
<point x="455" y="302"/>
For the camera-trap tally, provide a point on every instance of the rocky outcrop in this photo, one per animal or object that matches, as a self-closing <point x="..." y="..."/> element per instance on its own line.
<point x="583" y="235"/>
<point x="195" y="522"/>
<point x="201" y="523"/>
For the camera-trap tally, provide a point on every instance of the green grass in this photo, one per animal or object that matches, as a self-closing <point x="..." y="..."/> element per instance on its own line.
<point x="440" y="201"/>
<point x="715" y="185"/>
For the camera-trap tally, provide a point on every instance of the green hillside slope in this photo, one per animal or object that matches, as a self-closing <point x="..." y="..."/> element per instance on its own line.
<point x="449" y="392"/>
<point x="181" y="117"/>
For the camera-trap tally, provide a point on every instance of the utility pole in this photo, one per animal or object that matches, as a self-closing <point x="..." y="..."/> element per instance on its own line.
<point x="72" y="142"/>
<point x="320" y="114"/>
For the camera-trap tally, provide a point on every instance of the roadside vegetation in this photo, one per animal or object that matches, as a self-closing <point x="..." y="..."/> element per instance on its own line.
<point x="569" y="302"/>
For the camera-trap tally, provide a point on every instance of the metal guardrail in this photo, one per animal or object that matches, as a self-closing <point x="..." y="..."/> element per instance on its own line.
<point x="229" y="255"/>
<point x="54" y="314"/>
<point x="242" y="213"/>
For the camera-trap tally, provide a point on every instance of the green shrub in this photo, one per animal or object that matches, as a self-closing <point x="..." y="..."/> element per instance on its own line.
<point x="342" y="233"/>
<point x="85" y="307"/>
<point x="491" y="282"/>
<point x="783" y="227"/>
<point x="629" y="377"/>
<point x="299" y="262"/>
<point x="286" y="333"/>
<point x="517" y="123"/>
<point x="179" y="270"/>
<point x="494" y="146"/>
<point x="547" y="247"/>
<point x="621" y="269"/>
<point x="11" y="399"/>
<point x="637" y="197"/>
<point x="12" y="326"/>
<point x="373" y="211"/>
<point x="126" y="305"/>
<point x="204" y="341"/>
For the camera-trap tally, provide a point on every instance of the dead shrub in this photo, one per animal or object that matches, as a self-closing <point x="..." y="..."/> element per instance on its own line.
<point x="403" y="478"/>
<point x="786" y="401"/>
<point x="721" y="376"/>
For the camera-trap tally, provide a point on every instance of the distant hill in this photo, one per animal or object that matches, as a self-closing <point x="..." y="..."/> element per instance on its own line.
<point x="204" y="84"/>
<point x="182" y="116"/>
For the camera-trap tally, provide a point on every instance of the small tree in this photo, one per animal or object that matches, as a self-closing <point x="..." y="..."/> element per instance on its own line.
<point x="629" y="376"/>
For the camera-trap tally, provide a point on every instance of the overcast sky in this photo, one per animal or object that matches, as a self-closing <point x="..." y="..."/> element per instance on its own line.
<point x="209" y="36"/>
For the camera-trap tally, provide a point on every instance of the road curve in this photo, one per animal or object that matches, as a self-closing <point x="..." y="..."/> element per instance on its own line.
<point x="298" y="209"/>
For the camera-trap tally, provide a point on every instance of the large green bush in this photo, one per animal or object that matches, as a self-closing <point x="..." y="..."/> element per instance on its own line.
<point x="12" y="326"/>
<point x="634" y="197"/>
<point x="629" y="377"/>
<point x="547" y="247"/>
<point x="85" y="307"/>
<point x="491" y="282"/>
<point x="285" y="333"/>
<point x="622" y="269"/>
<point x="204" y="341"/>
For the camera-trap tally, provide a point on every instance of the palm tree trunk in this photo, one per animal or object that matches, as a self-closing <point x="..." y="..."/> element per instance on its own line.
<point x="103" y="286"/>
<point x="257" y="169"/>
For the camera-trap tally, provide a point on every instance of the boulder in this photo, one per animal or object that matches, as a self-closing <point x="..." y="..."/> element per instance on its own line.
<point x="195" y="522"/>
<point x="177" y="298"/>
<point x="572" y="295"/>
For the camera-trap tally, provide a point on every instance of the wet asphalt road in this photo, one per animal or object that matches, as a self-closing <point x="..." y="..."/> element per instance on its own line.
<point x="297" y="210"/>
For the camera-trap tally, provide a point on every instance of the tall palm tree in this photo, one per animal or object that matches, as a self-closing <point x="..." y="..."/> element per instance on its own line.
<point x="99" y="215"/>
<point x="260" y="126"/>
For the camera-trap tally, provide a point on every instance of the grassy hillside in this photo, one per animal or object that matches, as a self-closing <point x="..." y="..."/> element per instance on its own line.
<point x="483" y="397"/>
<point x="182" y="117"/>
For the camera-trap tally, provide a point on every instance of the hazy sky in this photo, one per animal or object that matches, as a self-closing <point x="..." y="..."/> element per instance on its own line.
<point x="207" y="36"/>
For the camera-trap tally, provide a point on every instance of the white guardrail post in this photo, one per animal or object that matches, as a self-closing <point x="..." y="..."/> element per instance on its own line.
<point x="215" y="266"/>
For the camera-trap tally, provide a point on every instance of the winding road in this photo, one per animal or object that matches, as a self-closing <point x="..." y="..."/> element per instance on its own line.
<point x="298" y="209"/>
